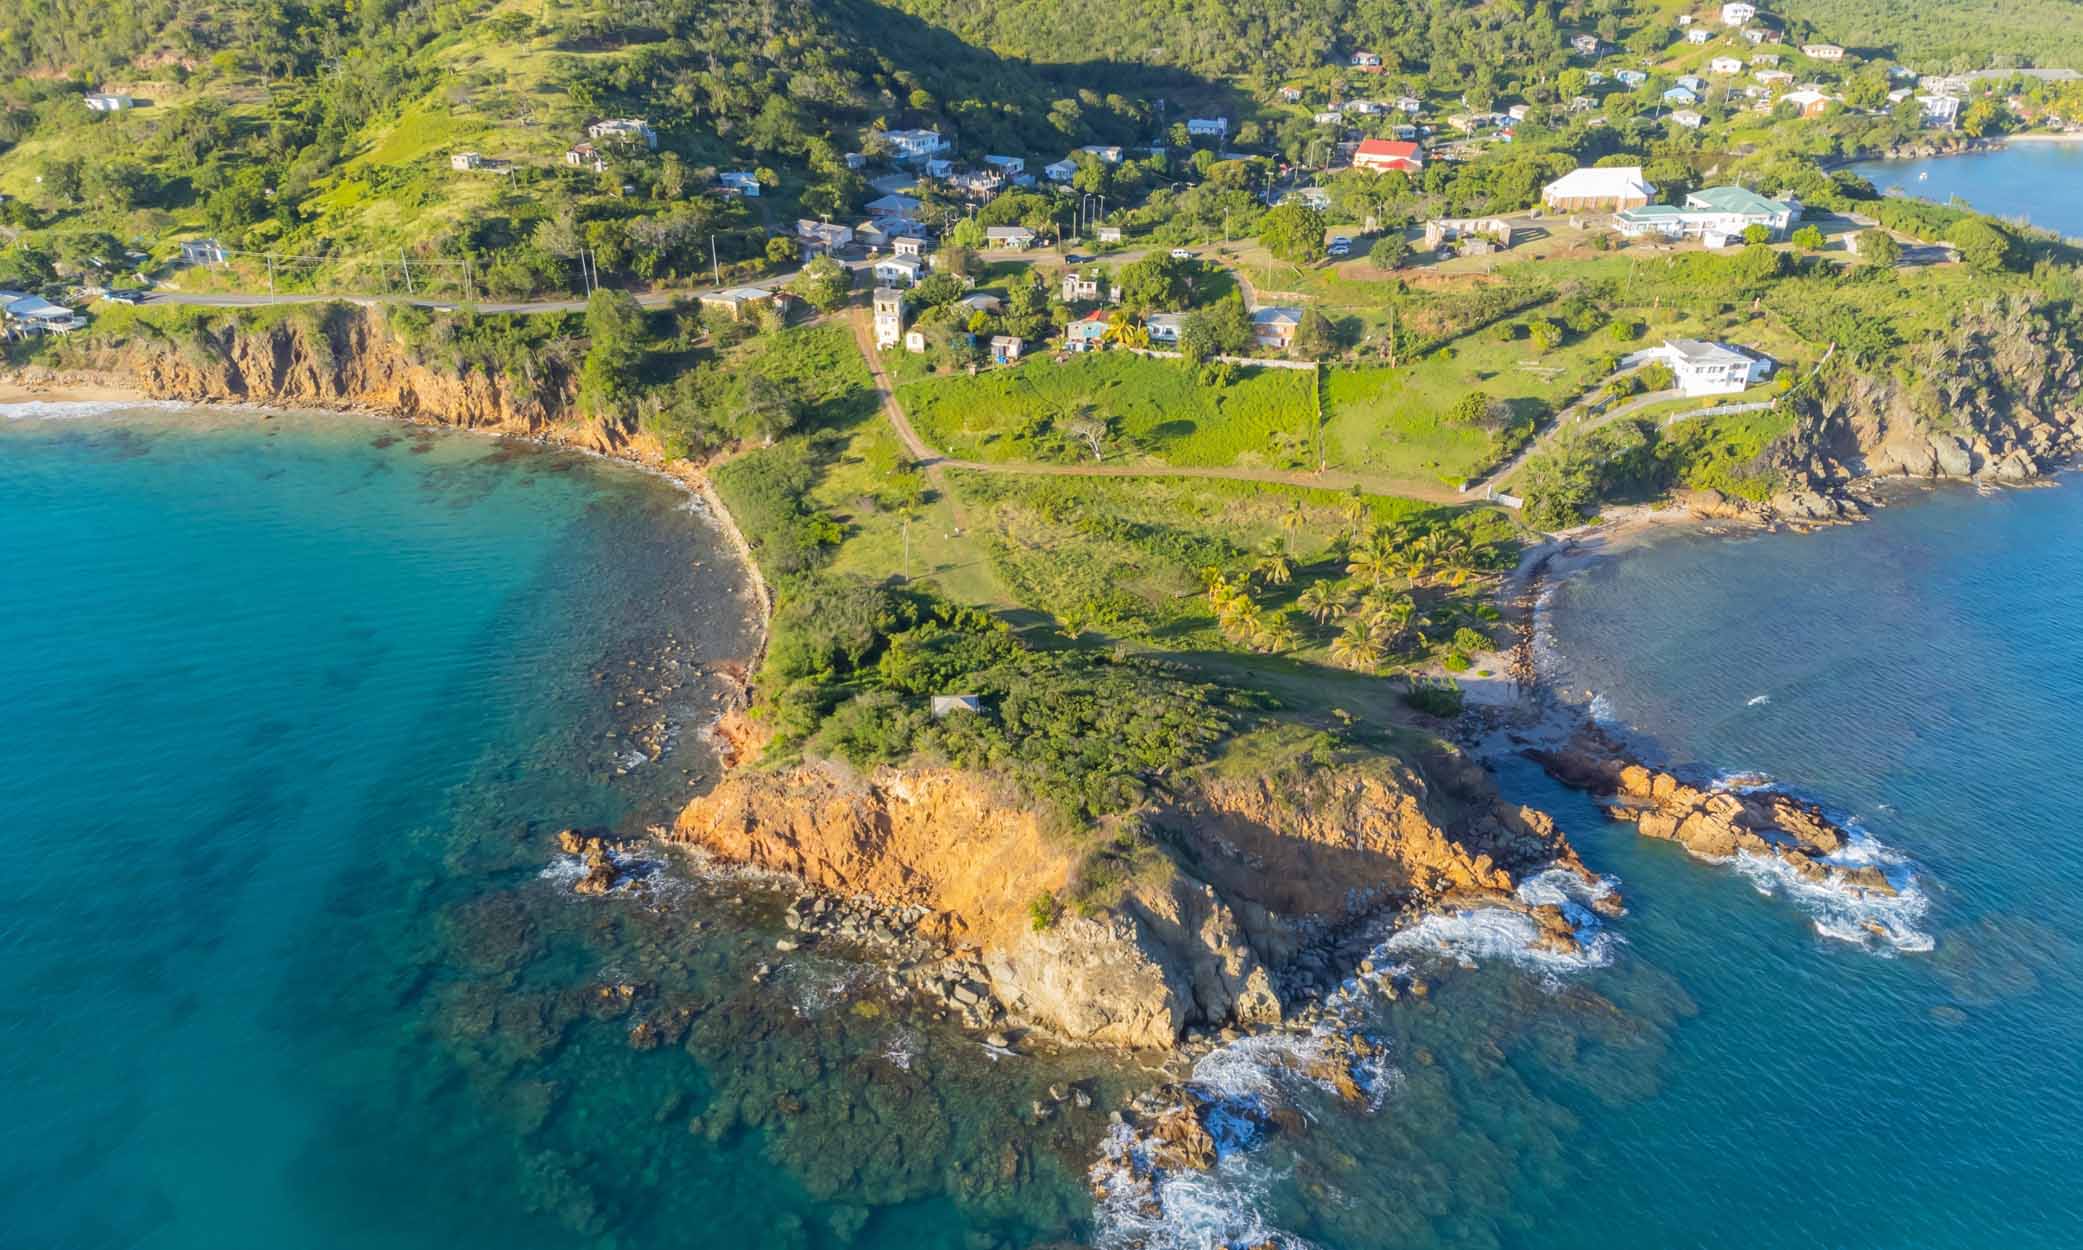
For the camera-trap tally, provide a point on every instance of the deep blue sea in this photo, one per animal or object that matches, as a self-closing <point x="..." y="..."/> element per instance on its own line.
<point x="288" y="957"/>
<point x="2030" y="181"/>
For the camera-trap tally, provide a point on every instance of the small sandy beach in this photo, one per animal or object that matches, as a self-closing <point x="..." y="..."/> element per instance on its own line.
<point x="14" y="391"/>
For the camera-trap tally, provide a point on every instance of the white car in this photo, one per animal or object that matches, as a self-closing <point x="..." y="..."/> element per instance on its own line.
<point x="1180" y="253"/>
<point x="1341" y="246"/>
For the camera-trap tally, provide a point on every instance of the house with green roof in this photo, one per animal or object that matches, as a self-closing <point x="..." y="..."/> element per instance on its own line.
<point x="1717" y="216"/>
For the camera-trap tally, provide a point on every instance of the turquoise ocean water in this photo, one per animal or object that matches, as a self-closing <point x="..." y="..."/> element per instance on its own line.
<point x="287" y="957"/>
<point x="2033" y="181"/>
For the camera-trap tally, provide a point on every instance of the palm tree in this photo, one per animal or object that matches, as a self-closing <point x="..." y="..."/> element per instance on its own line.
<point x="1388" y="616"/>
<point x="1355" y="648"/>
<point x="1273" y="565"/>
<point x="1356" y="518"/>
<point x="1290" y="521"/>
<point x="1323" y="600"/>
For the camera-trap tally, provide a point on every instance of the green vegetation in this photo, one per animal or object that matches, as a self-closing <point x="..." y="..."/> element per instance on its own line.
<point x="1115" y="406"/>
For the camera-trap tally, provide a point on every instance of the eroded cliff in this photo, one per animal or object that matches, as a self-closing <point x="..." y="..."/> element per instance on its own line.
<point x="1253" y="871"/>
<point x="349" y="357"/>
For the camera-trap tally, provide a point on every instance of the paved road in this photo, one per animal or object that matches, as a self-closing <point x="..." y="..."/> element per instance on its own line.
<point x="649" y="299"/>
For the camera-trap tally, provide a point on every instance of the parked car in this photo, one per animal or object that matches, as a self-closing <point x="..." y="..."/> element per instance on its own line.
<point x="123" y="296"/>
<point x="1341" y="246"/>
<point x="1180" y="253"/>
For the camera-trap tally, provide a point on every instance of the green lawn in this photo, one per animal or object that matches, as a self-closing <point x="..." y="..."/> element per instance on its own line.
<point x="1156" y="409"/>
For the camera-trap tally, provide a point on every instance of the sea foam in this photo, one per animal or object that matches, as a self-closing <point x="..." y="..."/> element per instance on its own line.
<point x="1240" y="1082"/>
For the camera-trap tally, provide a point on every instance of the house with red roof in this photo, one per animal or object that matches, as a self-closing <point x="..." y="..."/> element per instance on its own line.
<point x="1380" y="154"/>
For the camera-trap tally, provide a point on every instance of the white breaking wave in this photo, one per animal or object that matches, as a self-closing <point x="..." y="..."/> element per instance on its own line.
<point x="1847" y="913"/>
<point x="73" y="409"/>
<point x="1238" y="1083"/>
<point x="1759" y="699"/>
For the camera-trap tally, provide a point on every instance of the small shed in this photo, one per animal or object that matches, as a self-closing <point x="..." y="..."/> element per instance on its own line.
<point x="945" y="703"/>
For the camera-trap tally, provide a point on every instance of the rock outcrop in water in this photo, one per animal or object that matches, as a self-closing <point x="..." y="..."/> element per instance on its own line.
<point x="1262" y="872"/>
<point x="1712" y="824"/>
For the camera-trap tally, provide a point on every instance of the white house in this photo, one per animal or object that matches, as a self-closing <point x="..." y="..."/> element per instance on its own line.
<point x="1165" y="328"/>
<point x="34" y="314"/>
<point x="586" y="156"/>
<point x="1822" y="51"/>
<point x="1585" y="44"/>
<point x="1060" y="171"/>
<point x="110" y="103"/>
<point x="1109" y="234"/>
<point x="1291" y="95"/>
<point x="1609" y="188"/>
<point x="1366" y="60"/>
<point x="908" y="244"/>
<point x="1410" y="104"/>
<point x="823" y="235"/>
<point x="1725" y="65"/>
<point x="1008" y="238"/>
<point x="1942" y="111"/>
<point x="1737" y="12"/>
<point x="1688" y="119"/>
<point x="1106" y="152"/>
<point x="1010" y="164"/>
<point x="1330" y="117"/>
<point x="1809" y="101"/>
<point x="939" y="167"/>
<point x="740" y="181"/>
<point x="889" y="316"/>
<point x="1080" y="287"/>
<point x="464" y="162"/>
<point x="1771" y="76"/>
<point x="1630" y="77"/>
<point x="1699" y="34"/>
<point x="202" y="252"/>
<point x="1703" y="368"/>
<point x="914" y="145"/>
<point x="1363" y="108"/>
<point x="1208" y="127"/>
<point x="635" y="129"/>
<point x="898" y="271"/>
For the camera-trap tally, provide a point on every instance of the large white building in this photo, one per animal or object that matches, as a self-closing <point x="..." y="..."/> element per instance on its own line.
<point x="1715" y="215"/>
<point x="1703" y="368"/>
<point x="1607" y="188"/>
<point x="1737" y="13"/>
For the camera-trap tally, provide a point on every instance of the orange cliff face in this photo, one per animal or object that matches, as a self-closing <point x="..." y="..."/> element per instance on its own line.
<point x="348" y="357"/>
<point x="1274" y="862"/>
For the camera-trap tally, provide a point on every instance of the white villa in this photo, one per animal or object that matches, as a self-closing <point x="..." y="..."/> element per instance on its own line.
<point x="1703" y="368"/>
<point x="912" y="145"/>
<point x="1737" y="13"/>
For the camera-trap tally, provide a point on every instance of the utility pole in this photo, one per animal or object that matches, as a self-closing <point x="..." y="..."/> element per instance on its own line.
<point x="907" y="546"/>
<point x="406" y="265"/>
<point x="715" y="270"/>
<point x="271" y="275"/>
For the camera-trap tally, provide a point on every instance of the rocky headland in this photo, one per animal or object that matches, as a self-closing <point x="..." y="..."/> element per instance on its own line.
<point x="2000" y="399"/>
<point x="1262" y="898"/>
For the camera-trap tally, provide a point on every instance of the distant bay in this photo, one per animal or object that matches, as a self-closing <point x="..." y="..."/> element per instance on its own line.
<point x="2033" y="180"/>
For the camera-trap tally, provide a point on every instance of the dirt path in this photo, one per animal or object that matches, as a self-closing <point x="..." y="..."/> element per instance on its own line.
<point x="932" y="460"/>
